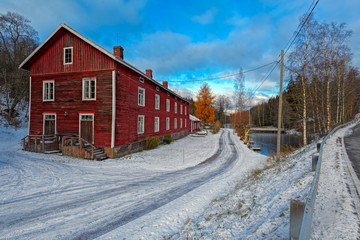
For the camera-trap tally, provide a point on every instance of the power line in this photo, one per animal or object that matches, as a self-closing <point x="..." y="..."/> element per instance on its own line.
<point x="224" y="76"/>
<point x="294" y="38"/>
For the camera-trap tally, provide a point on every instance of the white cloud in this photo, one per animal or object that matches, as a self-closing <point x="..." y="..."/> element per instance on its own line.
<point x="207" y="17"/>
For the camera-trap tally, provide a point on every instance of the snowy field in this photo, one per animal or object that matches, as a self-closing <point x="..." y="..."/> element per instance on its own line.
<point x="222" y="190"/>
<point x="58" y="197"/>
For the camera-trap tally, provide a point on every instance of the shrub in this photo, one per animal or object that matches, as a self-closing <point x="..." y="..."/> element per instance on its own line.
<point x="216" y="127"/>
<point x="168" y="139"/>
<point x="151" y="143"/>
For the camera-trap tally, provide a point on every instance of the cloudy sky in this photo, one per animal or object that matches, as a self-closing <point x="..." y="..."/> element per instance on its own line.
<point x="187" y="40"/>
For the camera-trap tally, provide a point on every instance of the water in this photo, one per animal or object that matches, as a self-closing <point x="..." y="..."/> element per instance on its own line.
<point x="267" y="141"/>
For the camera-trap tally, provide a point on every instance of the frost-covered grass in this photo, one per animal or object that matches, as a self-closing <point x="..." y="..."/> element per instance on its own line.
<point x="258" y="206"/>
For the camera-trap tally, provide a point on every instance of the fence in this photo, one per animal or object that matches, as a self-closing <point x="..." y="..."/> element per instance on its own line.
<point x="305" y="229"/>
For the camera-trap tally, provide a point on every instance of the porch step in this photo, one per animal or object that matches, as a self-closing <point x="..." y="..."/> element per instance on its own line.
<point x="99" y="153"/>
<point x="53" y="151"/>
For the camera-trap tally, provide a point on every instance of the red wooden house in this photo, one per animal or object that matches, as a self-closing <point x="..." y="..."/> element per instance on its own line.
<point x="194" y="124"/>
<point x="78" y="90"/>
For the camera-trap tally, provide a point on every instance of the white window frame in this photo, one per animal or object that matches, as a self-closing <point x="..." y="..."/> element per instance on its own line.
<point x="141" y="131"/>
<point x="44" y="118"/>
<point x="83" y="89"/>
<point x="157" y="101"/>
<point x="181" y="108"/>
<point x="175" y="107"/>
<point x="72" y="55"/>
<point x="167" y="123"/>
<point x="168" y="105"/>
<point x="46" y="91"/>
<point x="180" y="122"/>
<point x="175" y="123"/>
<point x="156" y="124"/>
<point x="143" y="102"/>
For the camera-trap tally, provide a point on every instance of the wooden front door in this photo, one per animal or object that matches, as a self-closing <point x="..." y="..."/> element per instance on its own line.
<point x="49" y="124"/>
<point x="86" y="128"/>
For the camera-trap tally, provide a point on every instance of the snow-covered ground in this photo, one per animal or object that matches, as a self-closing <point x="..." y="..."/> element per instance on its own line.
<point x="154" y="194"/>
<point x="257" y="207"/>
<point x="58" y="197"/>
<point x="336" y="213"/>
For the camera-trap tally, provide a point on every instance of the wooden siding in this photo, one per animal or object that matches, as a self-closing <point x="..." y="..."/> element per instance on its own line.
<point x="68" y="98"/>
<point x="127" y="84"/>
<point x="85" y="57"/>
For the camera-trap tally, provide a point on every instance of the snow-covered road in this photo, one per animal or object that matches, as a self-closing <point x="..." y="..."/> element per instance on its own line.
<point x="55" y="197"/>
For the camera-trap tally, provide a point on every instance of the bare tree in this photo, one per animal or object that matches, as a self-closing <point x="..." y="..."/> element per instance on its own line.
<point x="17" y="40"/>
<point x="331" y="39"/>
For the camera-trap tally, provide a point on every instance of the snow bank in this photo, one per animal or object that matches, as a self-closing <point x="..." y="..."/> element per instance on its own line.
<point x="258" y="206"/>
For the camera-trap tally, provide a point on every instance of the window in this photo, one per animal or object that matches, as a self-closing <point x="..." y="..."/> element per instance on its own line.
<point x="157" y="102"/>
<point x="141" y="97"/>
<point x="157" y="88"/>
<point x="181" y="109"/>
<point x="48" y="91"/>
<point x="175" y="107"/>
<point x="85" y="117"/>
<point x="141" y="120"/>
<point x="180" y="122"/>
<point x="185" y="122"/>
<point x="168" y="105"/>
<point x="156" y="122"/>
<point x="168" y="94"/>
<point x="68" y="55"/>
<point x="185" y="110"/>
<point x="175" y="123"/>
<point x="141" y="79"/>
<point x="89" y="89"/>
<point x="167" y="123"/>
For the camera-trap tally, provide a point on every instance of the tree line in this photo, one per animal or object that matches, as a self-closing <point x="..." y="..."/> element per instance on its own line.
<point x="323" y="89"/>
<point x="17" y="40"/>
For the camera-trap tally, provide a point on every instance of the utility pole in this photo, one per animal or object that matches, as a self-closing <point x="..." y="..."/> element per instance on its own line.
<point x="280" y="108"/>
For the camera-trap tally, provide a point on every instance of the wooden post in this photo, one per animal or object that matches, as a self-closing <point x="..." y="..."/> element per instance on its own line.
<point x="43" y="143"/>
<point x="71" y="142"/>
<point x="92" y="152"/>
<point x="80" y="142"/>
<point x="35" y="143"/>
<point x="280" y="109"/>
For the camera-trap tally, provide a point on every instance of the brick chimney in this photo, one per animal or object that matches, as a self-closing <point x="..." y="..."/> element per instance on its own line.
<point x="148" y="73"/>
<point x="165" y="84"/>
<point x="119" y="52"/>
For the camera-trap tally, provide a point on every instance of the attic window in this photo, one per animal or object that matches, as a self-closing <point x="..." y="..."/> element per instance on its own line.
<point x="157" y="88"/>
<point x="68" y="55"/>
<point x="141" y="79"/>
<point x="168" y="94"/>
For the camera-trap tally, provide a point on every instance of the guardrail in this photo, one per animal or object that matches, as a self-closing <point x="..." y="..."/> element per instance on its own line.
<point x="305" y="229"/>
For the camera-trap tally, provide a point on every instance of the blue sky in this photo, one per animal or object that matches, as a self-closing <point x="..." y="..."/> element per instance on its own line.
<point x="184" y="40"/>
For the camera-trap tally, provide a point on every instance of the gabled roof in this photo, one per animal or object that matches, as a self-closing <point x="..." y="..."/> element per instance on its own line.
<point x="27" y="62"/>
<point x="194" y="119"/>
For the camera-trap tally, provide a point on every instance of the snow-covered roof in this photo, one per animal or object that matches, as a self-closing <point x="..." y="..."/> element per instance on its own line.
<point x="24" y="66"/>
<point x="194" y="119"/>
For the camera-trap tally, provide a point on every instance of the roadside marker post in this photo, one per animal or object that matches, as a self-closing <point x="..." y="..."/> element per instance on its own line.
<point x="183" y="156"/>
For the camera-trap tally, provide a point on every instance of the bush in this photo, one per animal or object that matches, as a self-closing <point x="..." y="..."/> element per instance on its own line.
<point x="151" y="143"/>
<point x="216" y="127"/>
<point x="167" y="139"/>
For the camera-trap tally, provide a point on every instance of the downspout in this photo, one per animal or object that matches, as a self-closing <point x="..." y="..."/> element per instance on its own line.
<point x="113" y="109"/>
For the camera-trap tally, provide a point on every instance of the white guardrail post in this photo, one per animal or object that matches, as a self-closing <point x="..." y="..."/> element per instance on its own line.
<point x="305" y="228"/>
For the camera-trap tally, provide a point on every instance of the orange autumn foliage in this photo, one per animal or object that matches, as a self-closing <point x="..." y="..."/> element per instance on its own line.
<point x="205" y="105"/>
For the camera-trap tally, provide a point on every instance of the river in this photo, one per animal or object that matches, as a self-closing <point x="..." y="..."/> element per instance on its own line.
<point x="267" y="141"/>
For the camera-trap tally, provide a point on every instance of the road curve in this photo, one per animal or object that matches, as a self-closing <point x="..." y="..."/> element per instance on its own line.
<point x="57" y="214"/>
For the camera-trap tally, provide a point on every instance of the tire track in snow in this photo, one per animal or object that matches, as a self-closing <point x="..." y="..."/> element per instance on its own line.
<point x="111" y="216"/>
